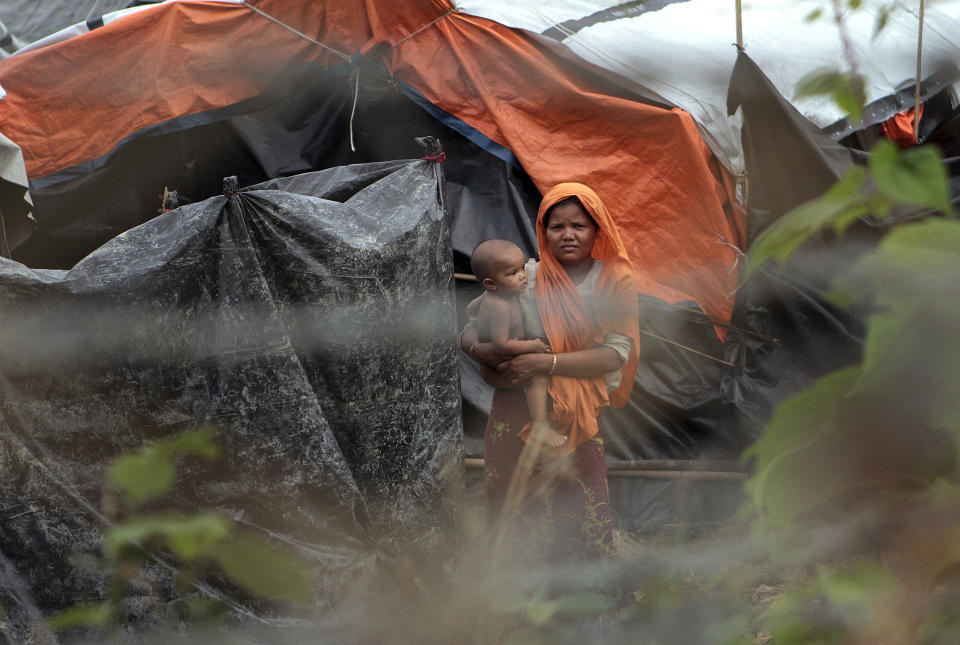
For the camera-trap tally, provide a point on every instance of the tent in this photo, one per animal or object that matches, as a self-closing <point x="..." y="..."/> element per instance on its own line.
<point x="179" y="94"/>
<point x="515" y="116"/>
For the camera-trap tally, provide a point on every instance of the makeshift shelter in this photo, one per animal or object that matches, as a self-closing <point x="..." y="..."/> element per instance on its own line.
<point x="515" y="117"/>
<point x="523" y="95"/>
<point x="309" y="320"/>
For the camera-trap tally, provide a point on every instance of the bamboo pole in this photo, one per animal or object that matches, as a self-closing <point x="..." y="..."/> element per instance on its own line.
<point x="739" y="26"/>
<point x="697" y="475"/>
<point x="916" y="101"/>
<point x="675" y="464"/>
<point x="658" y="469"/>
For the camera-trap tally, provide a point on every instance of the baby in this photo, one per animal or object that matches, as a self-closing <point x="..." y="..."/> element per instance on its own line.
<point x="499" y="266"/>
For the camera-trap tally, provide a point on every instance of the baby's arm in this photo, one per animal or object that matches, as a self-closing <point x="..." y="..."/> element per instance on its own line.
<point x="516" y="346"/>
<point x="498" y="313"/>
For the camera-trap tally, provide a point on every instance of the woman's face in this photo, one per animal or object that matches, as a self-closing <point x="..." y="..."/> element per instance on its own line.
<point x="571" y="233"/>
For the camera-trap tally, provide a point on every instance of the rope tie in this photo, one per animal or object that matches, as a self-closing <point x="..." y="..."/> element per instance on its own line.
<point x="5" y="250"/>
<point x="426" y="26"/>
<point x="353" y="109"/>
<point x="332" y="50"/>
<point x="336" y="52"/>
<point x="440" y="158"/>
<point x="231" y="186"/>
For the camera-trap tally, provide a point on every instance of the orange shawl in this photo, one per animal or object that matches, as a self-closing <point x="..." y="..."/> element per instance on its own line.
<point x="568" y="324"/>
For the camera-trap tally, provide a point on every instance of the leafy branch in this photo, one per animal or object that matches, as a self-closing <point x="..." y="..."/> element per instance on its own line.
<point x="195" y="541"/>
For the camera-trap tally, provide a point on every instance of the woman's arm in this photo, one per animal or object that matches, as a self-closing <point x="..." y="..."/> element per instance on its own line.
<point x="586" y="363"/>
<point x="483" y="353"/>
<point x="487" y="356"/>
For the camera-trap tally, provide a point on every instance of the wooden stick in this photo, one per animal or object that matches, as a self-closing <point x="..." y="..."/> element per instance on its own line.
<point x="675" y="464"/>
<point x="916" y="102"/>
<point x="469" y="277"/>
<point x="689" y="349"/>
<point x="658" y="469"/>
<point x="699" y="475"/>
<point x="739" y="27"/>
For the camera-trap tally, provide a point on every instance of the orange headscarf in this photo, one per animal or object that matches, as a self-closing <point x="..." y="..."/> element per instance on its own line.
<point x="569" y="326"/>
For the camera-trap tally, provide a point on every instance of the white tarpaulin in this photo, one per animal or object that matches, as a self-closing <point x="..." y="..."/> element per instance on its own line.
<point x="684" y="50"/>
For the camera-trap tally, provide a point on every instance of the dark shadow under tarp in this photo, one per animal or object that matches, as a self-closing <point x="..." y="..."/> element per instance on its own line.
<point x="318" y="337"/>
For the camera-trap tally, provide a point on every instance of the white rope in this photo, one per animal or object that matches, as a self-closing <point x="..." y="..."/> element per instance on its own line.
<point x="353" y="110"/>
<point x="429" y="24"/>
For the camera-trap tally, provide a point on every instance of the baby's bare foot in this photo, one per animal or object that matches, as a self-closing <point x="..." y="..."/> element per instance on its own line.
<point x="543" y="432"/>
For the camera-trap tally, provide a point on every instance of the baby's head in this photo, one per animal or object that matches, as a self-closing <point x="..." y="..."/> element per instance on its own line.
<point x="499" y="266"/>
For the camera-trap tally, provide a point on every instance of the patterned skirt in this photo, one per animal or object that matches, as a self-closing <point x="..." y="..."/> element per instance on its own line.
<point x="543" y="506"/>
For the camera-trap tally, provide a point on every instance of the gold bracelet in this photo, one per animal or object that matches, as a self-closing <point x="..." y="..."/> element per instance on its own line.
<point x="554" y="366"/>
<point x="470" y="351"/>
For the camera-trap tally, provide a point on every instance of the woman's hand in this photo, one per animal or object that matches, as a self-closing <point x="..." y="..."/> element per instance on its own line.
<point x="487" y="354"/>
<point x="523" y="368"/>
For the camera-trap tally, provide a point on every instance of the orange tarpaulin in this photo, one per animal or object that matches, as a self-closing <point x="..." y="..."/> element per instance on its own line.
<point x="899" y="128"/>
<point x="649" y="165"/>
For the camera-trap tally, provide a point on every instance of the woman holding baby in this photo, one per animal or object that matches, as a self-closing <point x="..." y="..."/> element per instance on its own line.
<point x="582" y="300"/>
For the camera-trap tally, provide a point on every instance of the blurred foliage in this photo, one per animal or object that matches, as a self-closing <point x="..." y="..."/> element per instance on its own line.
<point x="870" y="451"/>
<point x="150" y="471"/>
<point x="855" y="491"/>
<point x="193" y="543"/>
<point x="846" y="90"/>
<point x="913" y="178"/>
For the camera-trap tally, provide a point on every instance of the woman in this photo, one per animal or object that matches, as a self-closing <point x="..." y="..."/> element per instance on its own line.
<point x="587" y="302"/>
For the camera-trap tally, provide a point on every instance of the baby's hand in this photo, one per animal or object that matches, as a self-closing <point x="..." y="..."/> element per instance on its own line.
<point x="540" y="347"/>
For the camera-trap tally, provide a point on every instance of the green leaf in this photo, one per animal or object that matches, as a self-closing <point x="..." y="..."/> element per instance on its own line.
<point x="798" y="436"/>
<point x="840" y="206"/>
<point x="835" y="607"/>
<point x="581" y="604"/>
<point x="910" y="350"/>
<point x="855" y="592"/>
<point x="883" y="17"/>
<point x="854" y="4"/>
<point x="187" y="537"/>
<point x="541" y="612"/>
<point x="149" y="472"/>
<point x="846" y="90"/>
<point x="914" y="176"/>
<point x="142" y="476"/>
<point x="81" y="616"/>
<point x="191" y="442"/>
<point x="850" y="97"/>
<point x="813" y="15"/>
<point x="264" y="572"/>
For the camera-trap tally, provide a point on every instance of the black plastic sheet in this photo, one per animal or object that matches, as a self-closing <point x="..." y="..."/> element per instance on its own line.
<point x="788" y="159"/>
<point x="785" y="332"/>
<point x="317" y="336"/>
